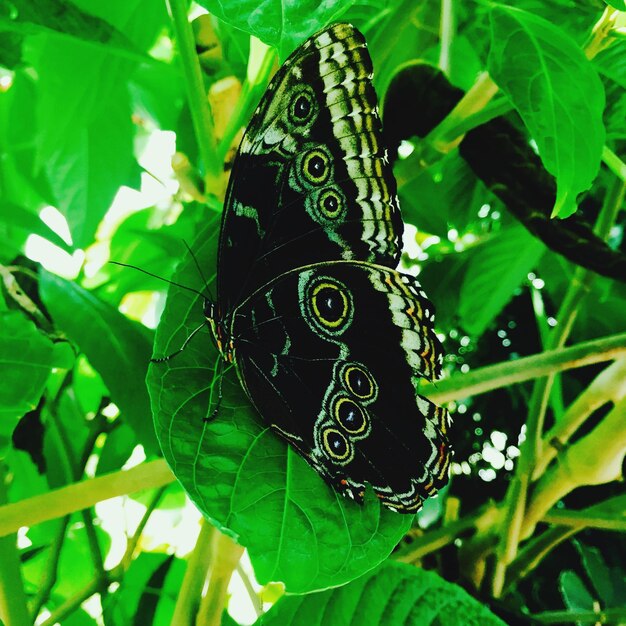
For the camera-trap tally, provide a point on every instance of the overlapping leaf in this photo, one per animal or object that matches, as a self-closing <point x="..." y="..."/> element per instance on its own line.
<point x="26" y="357"/>
<point x="558" y="94"/>
<point x="392" y="595"/>
<point x="116" y="347"/>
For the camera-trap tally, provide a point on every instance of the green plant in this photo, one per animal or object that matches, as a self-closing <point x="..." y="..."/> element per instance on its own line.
<point x="513" y="193"/>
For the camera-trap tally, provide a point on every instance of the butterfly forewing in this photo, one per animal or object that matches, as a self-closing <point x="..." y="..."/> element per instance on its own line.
<point x="333" y="354"/>
<point x="311" y="180"/>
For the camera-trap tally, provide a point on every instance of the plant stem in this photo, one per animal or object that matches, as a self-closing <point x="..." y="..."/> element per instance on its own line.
<point x="78" y="496"/>
<point x="445" y="136"/>
<point x="198" y="565"/>
<point x="196" y="95"/>
<point x="99" y="584"/>
<point x="257" y="604"/>
<point x="437" y="539"/>
<point x="508" y="373"/>
<point x="117" y="573"/>
<point x="600" y="36"/>
<point x="614" y="163"/>
<point x="226" y="555"/>
<point x="73" y="471"/>
<point x="516" y="497"/>
<point x="13" y="607"/>
<point x="571" y="616"/>
<point x="49" y="576"/>
<point x="581" y="465"/>
<point x="73" y="602"/>
<point x="446" y="34"/>
<point x="609" y="385"/>
<point x="249" y="96"/>
<point x="535" y="551"/>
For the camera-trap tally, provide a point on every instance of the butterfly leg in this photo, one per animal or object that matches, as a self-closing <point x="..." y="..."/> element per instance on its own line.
<point x="163" y="359"/>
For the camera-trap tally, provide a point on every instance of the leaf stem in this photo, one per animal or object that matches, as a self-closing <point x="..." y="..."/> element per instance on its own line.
<point x="196" y="95"/>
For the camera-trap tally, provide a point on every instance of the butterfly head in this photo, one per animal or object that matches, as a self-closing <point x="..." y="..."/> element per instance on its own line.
<point x="221" y="337"/>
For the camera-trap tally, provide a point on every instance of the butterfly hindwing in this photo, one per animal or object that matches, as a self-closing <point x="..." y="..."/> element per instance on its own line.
<point x="332" y="354"/>
<point x="311" y="180"/>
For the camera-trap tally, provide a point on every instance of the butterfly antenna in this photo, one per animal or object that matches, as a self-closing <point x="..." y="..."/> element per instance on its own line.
<point x="165" y="280"/>
<point x="195" y="260"/>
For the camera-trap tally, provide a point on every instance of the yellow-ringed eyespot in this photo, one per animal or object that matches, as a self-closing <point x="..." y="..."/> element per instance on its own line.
<point x="350" y="416"/>
<point x="330" y="304"/>
<point x="337" y="446"/>
<point x="330" y="204"/>
<point x="316" y="166"/>
<point x="301" y="107"/>
<point x="359" y="382"/>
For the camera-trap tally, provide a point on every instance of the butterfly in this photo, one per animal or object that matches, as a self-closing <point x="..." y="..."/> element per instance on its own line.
<point x="329" y="340"/>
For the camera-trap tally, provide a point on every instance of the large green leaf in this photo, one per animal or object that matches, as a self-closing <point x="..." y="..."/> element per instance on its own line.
<point x="85" y="132"/>
<point x="392" y="595"/>
<point x="495" y="271"/>
<point x="558" y="94"/>
<point x="26" y="358"/>
<point x="118" y="348"/>
<point x="245" y="479"/>
<point x="285" y="23"/>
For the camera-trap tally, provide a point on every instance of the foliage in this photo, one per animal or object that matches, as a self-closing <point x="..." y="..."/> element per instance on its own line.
<point x="98" y="101"/>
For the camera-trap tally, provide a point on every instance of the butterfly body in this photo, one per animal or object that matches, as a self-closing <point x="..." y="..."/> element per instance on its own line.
<point x="330" y="342"/>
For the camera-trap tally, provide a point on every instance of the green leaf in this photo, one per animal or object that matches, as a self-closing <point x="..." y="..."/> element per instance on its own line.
<point x="26" y="357"/>
<point x="558" y="94"/>
<point x="599" y="573"/>
<point x="30" y="223"/>
<point x="285" y="23"/>
<point x="447" y="195"/>
<point x="117" y="448"/>
<point x="76" y="568"/>
<point x="85" y="138"/>
<point x="18" y="136"/>
<point x="496" y="270"/>
<point x="575" y="593"/>
<point x="245" y="479"/>
<point x="117" y="348"/>
<point x="392" y="594"/>
<point x="121" y="606"/>
<point x="30" y="17"/>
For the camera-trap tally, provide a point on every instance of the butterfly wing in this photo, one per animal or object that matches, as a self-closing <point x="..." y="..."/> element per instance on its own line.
<point x="311" y="179"/>
<point x="332" y="356"/>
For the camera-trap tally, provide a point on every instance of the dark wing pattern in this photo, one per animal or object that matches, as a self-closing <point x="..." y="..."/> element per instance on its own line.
<point x="332" y="355"/>
<point x="311" y="180"/>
